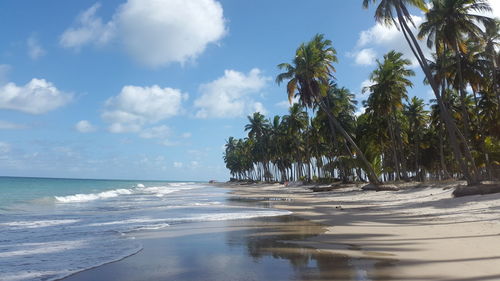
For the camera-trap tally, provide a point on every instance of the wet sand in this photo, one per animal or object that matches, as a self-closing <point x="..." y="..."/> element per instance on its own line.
<point x="428" y="234"/>
<point x="256" y="249"/>
<point x="418" y="233"/>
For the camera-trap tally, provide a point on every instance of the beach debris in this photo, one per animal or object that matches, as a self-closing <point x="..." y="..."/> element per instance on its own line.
<point x="482" y="189"/>
<point x="321" y="188"/>
<point x="382" y="187"/>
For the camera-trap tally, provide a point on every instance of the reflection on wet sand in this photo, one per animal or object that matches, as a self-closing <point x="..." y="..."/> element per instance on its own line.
<point x="277" y="238"/>
<point x="257" y="249"/>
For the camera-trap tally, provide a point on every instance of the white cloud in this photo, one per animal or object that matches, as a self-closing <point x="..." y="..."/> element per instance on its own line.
<point x="153" y="32"/>
<point x="259" y="107"/>
<point x="160" y="32"/>
<point x="84" y="126"/>
<point x="495" y="6"/>
<point x="160" y="132"/>
<point x="365" y="57"/>
<point x="186" y="135"/>
<point x="35" y="51"/>
<point x="231" y="95"/>
<point x="4" y="147"/>
<point x="382" y="39"/>
<point x="366" y="83"/>
<point x="5" y="125"/>
<point x="89" y="29"/>
<point x="178" y="164"/>
<point x="36" y="97"/>
<point x="137" y="106"/>
<point x="360" y="110"/>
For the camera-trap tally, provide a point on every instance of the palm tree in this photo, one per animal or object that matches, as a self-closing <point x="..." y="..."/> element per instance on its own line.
<point x="259" y="131"/>
<point x="296" y="123"/>
<point x="386" y="100"/>
<point x="449" y="23"/>
<point x="396" y="12"/>
<point x="417" y="119"/>
<point x="309" y="76"/>
<point x="492" y="43"/>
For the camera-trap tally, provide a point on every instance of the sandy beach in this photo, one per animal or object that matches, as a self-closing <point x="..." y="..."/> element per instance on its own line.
<point x="423" y="230"/>
<point x="417" y="233"/>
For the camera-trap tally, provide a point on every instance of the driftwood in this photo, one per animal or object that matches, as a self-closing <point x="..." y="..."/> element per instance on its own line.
<point x="382" y="187"/>
<point x="476" y="190"/>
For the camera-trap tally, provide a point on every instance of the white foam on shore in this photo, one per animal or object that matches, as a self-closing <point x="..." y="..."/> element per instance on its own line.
<point x="249" y="214"/>
<point x="36" y="223"/>
<point x="159" y="191"/>
<point x="68" y="238"/>
<point x="92" y="196"/>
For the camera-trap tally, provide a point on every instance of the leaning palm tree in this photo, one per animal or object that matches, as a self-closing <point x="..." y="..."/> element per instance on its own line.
<point x="396" y="12"/>
<point x="492" y="44"/>
<point x="308" y="78"/>
<point x="448" y="25"/>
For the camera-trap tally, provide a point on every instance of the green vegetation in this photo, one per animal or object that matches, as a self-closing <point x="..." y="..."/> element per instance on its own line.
<point x="397" y="138"/>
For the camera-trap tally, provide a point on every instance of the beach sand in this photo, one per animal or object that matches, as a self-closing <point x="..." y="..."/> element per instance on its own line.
<point x="417" y="233"/>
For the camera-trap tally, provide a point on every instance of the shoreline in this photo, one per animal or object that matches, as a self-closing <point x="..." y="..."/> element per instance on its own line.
<point x="416" y="233"/>
<point x="426" y="232"/>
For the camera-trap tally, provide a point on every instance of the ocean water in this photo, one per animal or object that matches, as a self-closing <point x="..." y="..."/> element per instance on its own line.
<point x="51" y="228"/>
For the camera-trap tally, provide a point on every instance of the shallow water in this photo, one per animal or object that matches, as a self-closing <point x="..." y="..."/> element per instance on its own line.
<point x="256" y="249"/>
<point x="56" y="227"/>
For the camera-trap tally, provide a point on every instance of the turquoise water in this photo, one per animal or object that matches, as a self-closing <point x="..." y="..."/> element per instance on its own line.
<point x="51" y="228"/>
<point x="17" y="190"/>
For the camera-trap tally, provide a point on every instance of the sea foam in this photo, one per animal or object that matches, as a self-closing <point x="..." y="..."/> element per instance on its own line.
<point x="66" y="238"/>
<point x="92" y="196"/>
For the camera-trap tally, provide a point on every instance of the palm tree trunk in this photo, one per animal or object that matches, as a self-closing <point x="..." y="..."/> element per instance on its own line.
<point x="394" y="151"/>
<point x="441" y="153"/>
<point x="450" y="125"/>
<point x="402" y="158"/>
<point x="463" y="107"/>
<point x="368" y="168"/>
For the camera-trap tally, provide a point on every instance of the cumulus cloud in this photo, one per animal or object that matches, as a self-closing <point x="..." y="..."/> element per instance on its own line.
<point x="137" y="106"/>
<point x="381" y="39"/>
<point x="153" y="32"/>
<point x="178" y="164"/>
<point x="88" y="29"/>
<point x="365" y="57"/>
<point x="84" y="126"/>
<point x="35" y="50"/>
<point x="36" y="97"/>
<point x="159" y="32"/>
<point x="231" y="95"/>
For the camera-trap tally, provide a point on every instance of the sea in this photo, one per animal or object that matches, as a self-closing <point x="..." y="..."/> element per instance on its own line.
<point x="51" y="228"/>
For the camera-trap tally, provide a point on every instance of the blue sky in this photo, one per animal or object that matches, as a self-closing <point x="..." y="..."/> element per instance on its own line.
<point x="151" y="89"/>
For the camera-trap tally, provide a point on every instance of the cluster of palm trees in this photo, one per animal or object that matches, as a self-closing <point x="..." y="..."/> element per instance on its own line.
<point x="397" y="138"/>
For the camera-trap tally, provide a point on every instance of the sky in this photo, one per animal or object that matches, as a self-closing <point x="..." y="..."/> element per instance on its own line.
<point x="152" y="89"/>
